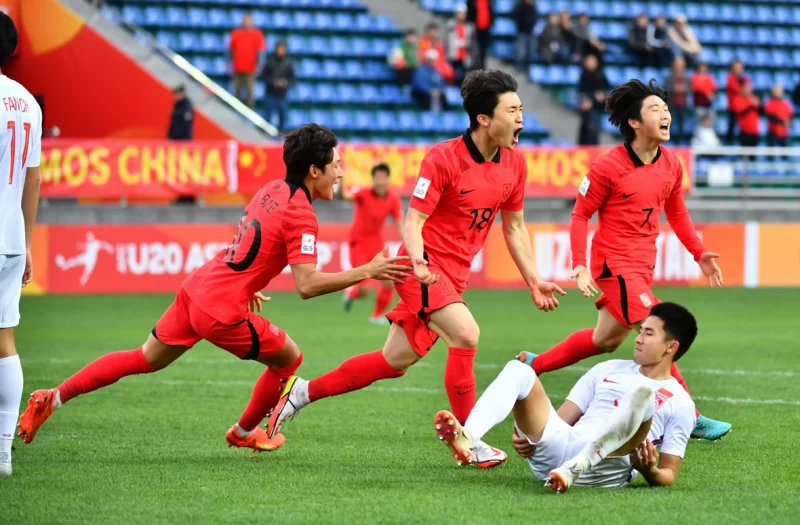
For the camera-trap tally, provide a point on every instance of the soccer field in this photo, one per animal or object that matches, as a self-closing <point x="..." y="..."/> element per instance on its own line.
<point x="151" y="449"/>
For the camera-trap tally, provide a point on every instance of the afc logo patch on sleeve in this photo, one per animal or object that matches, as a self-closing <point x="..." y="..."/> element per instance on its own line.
<point x="307" y="244"/>
<point x="584" y="187"/>
<point x="421" y="188"/>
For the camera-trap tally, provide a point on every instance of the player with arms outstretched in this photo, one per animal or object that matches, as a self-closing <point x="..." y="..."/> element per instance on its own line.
<point x="462" y="185"/>
<point x="612" y="419"/>
<point x="372" y="207"/>
<point x="216" y="302"/>
<point x="20" y="152"/>
<point x="628" y="188"/>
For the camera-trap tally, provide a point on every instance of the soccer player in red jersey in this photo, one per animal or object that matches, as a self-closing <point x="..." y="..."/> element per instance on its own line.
<point x="216" y="302"/>
<point x="372" y="207"/>
<point x="628" y="188"/>
<point x="462" y="185"/>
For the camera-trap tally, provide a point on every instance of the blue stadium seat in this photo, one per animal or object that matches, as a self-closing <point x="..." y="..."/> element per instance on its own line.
<point x="219" y="18"/>
<point x="343" y="21"/>
<point x="318" y="45"/>
<point x="339" y="46"/>
<point x="297" y="118"/>
<point x="220" y="67"/>
<point x="260" y="19"/>
<point x="384" y="24"/>
<point x="111" y="13"/>
<point x="211" y="42"/>
<point x="154" y="16"/>
<point x="281" y="20"/>
<point x="302" y="21"/>
<point x="504" y="27"/>
<point x="188" y="41"/>
<point x="330" y="69"/>
<point x="453" y="95"/>
<point x="362" y="120"/>
<point x="133" y="14"/>
<point x="323" y="21"/>
<point x="384" y="120"/>
<point x="503" y="7"/>
<point x="341" y="119"/>
<point x="306" y="68"/>
<point x="406" y="120"/>
<point x="167" y="39"/>
<point x="197" y="17"/>
<point x="301" y="92"/>
<point x="204" y="64"/>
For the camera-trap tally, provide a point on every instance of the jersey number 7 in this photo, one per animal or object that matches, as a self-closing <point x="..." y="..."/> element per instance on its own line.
<point x="12" y="125"/>
<point x="252" y="252"/>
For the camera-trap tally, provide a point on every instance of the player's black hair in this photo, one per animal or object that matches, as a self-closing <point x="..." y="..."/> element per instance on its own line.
<point x="481" y="91"/>
<point x="308" y="145"/>
<point x="381" y="166"/>
<point x="679" y="325"/>
<point x="625" y="103"/>
<point x="8" y="38"/>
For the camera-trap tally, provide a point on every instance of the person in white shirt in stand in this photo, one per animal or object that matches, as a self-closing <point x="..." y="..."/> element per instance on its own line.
<point x="20" y="149"/>
<point x="611" y="423"/>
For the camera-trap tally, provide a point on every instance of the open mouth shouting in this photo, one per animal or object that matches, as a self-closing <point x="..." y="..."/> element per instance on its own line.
<point x="516" y="135"/>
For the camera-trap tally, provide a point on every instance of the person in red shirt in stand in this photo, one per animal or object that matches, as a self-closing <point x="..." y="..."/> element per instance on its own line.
<point x="704" y="88"/>
<point x="733" y="87"/>
<point x="372" y="207"/>
<point x="217" y="302"/>
<point x="247" y="42"/>
<point x="481" y="13"/>
<point x="747" y="107"/>
<point x="779" y="112"/>
<point x="463" y="183"/>
<point x="628" y="188"/>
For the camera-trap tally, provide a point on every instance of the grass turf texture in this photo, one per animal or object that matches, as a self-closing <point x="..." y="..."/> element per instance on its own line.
<point x="151" y="449"/>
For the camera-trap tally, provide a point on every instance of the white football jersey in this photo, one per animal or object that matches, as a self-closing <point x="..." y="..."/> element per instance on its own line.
<point x="598" y="394"/>
<point x="20" y="149"/>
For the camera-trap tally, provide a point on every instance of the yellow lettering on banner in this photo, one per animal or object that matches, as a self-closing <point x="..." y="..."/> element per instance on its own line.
<point x="126" y="175"/>
<point x="581" y="168"/>
<point x="171" y="165"/>
<point x="413" y="162"/>
<point x="213" y="169"/>
<point x="357" y="163"/>
<point x="100" y="170"/>
<point x="537" y="171"/>
<point x="559" y="168"/>
<point x="395" y="159"/>
<point x="189" y="166"/>
<point x="51" y="166"/>
<point x="153" y="165"/>
<point x="76" y="166"/>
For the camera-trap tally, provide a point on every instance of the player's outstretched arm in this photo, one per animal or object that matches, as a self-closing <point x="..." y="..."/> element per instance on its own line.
<point x="30" y="206"/>
<point x="415" y="246"/>
<point x="343" y="193"/>
<point x="658" y="471"/>
<point x="593" y="192"/>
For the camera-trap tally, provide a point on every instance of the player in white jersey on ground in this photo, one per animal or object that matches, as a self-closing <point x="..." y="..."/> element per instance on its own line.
<point x="611" y="422"/>
<point x="20" y="149"/>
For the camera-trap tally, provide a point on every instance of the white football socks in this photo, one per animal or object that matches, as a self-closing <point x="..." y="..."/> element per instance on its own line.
<point x="514" y="383"/>
<point x="10" y="397"/>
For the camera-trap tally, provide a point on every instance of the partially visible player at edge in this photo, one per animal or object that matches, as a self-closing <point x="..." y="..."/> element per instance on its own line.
<point x="462" y="184"/>
<point x="20" y="151"/>
<point x="216" y="302"/>
<point x="629" y="188"/>
<point x="372" y="207"/>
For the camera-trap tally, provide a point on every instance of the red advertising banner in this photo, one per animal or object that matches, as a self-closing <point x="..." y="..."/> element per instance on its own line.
<point x="156" y="258"/>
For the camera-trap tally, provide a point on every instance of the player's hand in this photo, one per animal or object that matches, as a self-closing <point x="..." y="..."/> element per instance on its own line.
<point x="255" y="302"/>
<point x="386" y="268"/>
<point x="28" y="275"/>
<point x="422" y="273"/>
<point x="710" y="269"/>
<point x="542" y="294"/>
<point x="584" y="280"/>
<point x="522" y="445"/>
<point x="644" y="457"/>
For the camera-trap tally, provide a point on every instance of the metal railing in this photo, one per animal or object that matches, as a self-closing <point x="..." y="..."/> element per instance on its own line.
<point x="744" y="172"/>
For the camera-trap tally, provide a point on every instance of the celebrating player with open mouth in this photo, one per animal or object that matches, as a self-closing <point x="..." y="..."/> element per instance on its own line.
<point x="629" y="188"/>
<point x="462" y="184"/>
<point x="216" y="302"/>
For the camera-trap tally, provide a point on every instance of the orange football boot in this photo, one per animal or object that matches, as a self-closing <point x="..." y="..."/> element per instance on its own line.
<point x="40" y="408"/>
<point x="258" y="440"/>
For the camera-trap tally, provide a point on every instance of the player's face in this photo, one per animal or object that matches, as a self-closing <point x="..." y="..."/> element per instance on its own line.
<point x="506" y="123"/>
<point x="656" y="119"/>
<point x="380" y="182"/>
<point x="652" y="343"/>
<point x="325" y="181"/>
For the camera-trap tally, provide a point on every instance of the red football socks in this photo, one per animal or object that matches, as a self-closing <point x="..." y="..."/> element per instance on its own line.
<point x="459" y="381"/>
<point x="674" y="372"/>
<point x="104" y="371"/>
<point x="266" y="393"/>
<point x="354" y="292"/>
<point x="577" y="347"/>
<point x="382" y="300"/>
<point x="354" y="374"/>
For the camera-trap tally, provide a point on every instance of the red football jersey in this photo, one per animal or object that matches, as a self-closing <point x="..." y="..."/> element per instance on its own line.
<point x="370" y="214"/>
<point x="629" y="196"/>
<point x="779" y="112"/>
<point x="461" y="192"/>
<point x="279" y="227"/>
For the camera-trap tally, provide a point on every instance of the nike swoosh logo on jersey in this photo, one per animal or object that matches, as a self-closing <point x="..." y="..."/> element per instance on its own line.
<point x="607" y="380"/>
<point x="626" y="195"/>
<point x="464" y="192"/>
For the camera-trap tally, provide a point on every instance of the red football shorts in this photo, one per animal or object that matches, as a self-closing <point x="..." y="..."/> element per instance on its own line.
<point x="627" y="297"/>
<point x="362" y="252"/>
<point x="417" y="303"/>
<point x="185" y="324"/>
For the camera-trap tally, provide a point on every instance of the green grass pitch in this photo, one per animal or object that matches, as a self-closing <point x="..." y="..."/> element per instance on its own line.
<point x="151" y="449"/>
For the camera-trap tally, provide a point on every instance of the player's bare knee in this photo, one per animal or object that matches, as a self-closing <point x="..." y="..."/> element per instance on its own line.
<point x="607" y="343"/>
<point x="467" y="336"/>
<point x="160" y="355"/>
<point x="400" y="361"/>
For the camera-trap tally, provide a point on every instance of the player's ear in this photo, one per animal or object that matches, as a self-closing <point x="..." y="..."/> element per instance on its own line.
<point x="484" y="120"/>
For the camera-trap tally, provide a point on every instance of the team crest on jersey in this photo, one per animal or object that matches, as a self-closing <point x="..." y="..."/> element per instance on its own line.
<point x="665" y="189"/>
<point x="662" y="396"/>
<point x="447" y="287"/>
<point x="307" y="244"/>
<point x="507" y="191"/>
<point x="646" y="301"/>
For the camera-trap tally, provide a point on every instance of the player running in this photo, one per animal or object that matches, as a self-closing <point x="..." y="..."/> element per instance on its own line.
<point x="609" y="425"/>
<point x="462" y="184"/>
<point x="20" y="152"/>
<point x="372" y="207"/>
<point x="629" y="188"/>
<point x="216" y="302"/>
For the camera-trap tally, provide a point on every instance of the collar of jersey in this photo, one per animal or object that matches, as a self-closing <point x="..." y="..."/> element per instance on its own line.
<point x="637" y="162"/>
<point x="294" y="187"/>
<point x="475" y="153"/>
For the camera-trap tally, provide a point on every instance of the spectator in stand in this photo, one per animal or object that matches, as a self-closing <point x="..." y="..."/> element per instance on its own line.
<point x="181" y="120"/>
<point x="278" y="76"/>
<point x="593" y="89"/>
<point x="432" y="41"/>
<point x="427" y="84"/>
<point x="779" y="112"/>
<point x="460" y="39"/>
<point x="796" y="95"/>
<point x="677" y="85"/>
<point x="552" y="43"/>
<point x="705" y="134"/>
<point x="746" y="106"/>
<point x="480" y="13"/>
<point x="247" y="42"/>
<point x="525" y="16"/>
<point x="685" y="43"/>
<point x="659" y="41"/>
<point x="637" y="42"/>
<point x="405" y="57"/>
<point x="586" y="41"/>
<point x="733" y="87"/>
<point x="704" y="88"/>
<point x="565" y="19"/>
